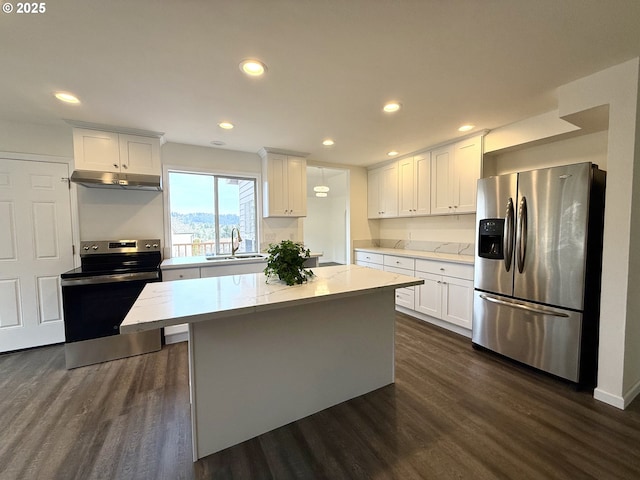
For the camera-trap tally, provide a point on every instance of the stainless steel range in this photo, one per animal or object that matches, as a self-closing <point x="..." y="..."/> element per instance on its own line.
<point x="98" y="295"/>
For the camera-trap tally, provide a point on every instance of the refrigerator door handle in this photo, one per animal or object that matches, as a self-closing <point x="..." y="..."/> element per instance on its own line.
<point x="522" y="233"/>
<point x="522" y="306"/>
<point x="507" y="236"/>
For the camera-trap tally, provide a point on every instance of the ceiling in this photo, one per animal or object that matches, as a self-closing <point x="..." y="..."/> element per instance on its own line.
<point x="172" y="66"/>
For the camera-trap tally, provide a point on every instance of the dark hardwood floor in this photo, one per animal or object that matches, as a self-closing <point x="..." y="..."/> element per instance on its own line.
<point x="452" y="413"/>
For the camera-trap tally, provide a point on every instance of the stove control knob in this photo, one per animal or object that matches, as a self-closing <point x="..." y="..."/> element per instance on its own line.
<point x="95" y="247"/>
<point x="155" y="245"/>
<point x="147" y="246"/>
<point x="86" y="247"/>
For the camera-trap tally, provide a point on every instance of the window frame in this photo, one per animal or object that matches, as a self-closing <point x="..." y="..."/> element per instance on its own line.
<point x="166" y="169"/>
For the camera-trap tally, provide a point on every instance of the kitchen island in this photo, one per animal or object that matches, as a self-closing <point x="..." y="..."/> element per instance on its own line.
<point x="262" y="355"/>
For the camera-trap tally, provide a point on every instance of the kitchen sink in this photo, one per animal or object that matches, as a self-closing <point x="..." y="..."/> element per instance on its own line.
<point x="242" y="256"/>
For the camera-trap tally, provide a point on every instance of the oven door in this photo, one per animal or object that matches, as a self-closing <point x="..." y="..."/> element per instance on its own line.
<point x="94" y="307"/>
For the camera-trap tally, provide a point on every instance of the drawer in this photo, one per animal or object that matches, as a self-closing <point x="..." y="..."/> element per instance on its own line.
<point x="399" y="262"/>
<point x="180" y="274"/>
<point x="457" y="270"/>
<point x="401" y="271"/>
<point x="405" y="297"/>
<point x="362" y="263"/>
<point x="370" y="257"/>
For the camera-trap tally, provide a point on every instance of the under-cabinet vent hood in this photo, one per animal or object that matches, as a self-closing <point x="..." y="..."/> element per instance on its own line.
<point x="127" y="181"/>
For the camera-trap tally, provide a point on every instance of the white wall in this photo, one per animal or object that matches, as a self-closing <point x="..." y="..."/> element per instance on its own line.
<point x="325" y="227"/>
<point x="619" y="355"/>
<point x="38" y="139"/>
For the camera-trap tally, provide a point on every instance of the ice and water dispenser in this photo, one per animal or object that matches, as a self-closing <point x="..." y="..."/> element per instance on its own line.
<point x="491" y="238"/>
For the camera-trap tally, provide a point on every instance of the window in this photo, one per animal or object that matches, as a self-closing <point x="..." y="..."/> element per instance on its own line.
<point x="205" y="207"/>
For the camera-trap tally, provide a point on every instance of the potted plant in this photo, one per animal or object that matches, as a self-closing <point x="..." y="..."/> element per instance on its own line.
<point x="286" y="260"/>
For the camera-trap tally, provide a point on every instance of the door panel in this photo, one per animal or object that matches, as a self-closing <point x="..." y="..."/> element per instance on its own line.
<point x="545" y="338"/>
<point x="553" y="247"/>
<point x="35" y="248"/>
<point x="493" y="197"/>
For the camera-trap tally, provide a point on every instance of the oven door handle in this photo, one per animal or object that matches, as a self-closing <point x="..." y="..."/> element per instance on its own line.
<point x="116" y="277"/>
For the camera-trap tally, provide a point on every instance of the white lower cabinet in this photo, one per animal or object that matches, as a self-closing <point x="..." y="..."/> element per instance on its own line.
<point x="447" y="292"/>
<point x="446" y="295"/>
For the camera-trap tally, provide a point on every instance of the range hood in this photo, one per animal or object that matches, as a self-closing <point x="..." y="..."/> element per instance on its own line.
<point x="122" y="181"/>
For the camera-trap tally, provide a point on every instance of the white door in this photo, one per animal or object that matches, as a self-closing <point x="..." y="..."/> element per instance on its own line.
<point x="35" y="248"/>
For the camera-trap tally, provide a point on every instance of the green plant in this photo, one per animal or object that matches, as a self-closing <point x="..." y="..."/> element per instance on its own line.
<point x="286" y="261"/>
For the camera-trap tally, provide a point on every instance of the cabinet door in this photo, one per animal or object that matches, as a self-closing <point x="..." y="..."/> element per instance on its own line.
<point x="422" y="184"/>
<point x="441" y="178"/>
<point x="96" y="150"/>
<point x="406" y="188"/>
<point x="428" y="296"/>
<point x="373" y="193"/>
<point x="139" y="154"/>
<point x="297" y="186"/>
<point x="389" y="191"/>
<point x="457" y="301"/>
<point x="276" y="201"/>
<point x="467" y="165"/>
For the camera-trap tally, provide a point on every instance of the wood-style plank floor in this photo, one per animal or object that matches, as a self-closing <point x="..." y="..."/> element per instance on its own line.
<point x="453" y="413"/>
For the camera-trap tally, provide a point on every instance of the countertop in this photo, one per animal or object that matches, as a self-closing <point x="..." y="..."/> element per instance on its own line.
<point x="445" y="257"/>
<point x="201" y="261"/>
<point x="162" y="304"/>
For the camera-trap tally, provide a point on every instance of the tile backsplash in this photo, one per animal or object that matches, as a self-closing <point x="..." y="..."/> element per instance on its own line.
<point x="419" y="245"/>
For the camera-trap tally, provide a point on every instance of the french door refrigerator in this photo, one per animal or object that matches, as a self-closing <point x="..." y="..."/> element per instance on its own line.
<point x="537" y="268"/>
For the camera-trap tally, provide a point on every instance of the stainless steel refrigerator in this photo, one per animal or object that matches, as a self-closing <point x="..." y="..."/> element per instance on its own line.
<point x="537" y="268"/>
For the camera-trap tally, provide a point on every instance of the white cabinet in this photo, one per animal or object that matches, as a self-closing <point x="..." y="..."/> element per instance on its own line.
<point x="403" y="266"/>
<point x="371" y="260"/>
<point x="447" y="292"/>
<point x="414" y="185"/>
<point x="180" y="274"/>
<point x="455" y="170"/>
<point x="382" y="191"/>
<point x="116" y="152"/>
<point x="284" y="185"/>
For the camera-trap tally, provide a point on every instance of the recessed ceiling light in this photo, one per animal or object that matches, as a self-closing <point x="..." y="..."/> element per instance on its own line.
<point x="392" y="153"/>
<point x="391" y="107"/>
<point x="226" y="125"/>
<point x="328" y="142"/>
<point x="217" y="143"/>
<point x="252" y="67"/>
<point x="66" y="97"/>
<point x="466" y="128"/>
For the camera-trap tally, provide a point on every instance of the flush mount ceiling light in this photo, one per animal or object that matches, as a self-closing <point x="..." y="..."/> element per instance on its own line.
<point x="328" y="142"/>
<point x="66" y="97"/>
<point x="392" y="153"/>
<point x="466" y="128"/>
<point x="252" y="67"/>
<point x="226" y="125"/>
<point x="322" y="189"/>
<point x="391" y="107"/>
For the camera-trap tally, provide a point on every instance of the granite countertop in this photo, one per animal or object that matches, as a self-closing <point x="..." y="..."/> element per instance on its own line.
<point x="445" y="257"/>
<point x="162" y="304"/>
<point x="201" y="261"/>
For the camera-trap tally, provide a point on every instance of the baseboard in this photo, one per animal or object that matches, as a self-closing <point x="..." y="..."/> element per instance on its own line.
<point x="608" y="398"/>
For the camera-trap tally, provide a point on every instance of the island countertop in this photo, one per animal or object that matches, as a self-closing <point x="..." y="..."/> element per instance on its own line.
<point x="163" y="304"/>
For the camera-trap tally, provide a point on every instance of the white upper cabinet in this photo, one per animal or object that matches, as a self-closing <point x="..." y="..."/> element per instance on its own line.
<point x="284" y="185"/>
<point x="455" y="170"/>
<point x="116" y="152"/>
<point x="414" y="185"/>
<point x="382" y="191"/>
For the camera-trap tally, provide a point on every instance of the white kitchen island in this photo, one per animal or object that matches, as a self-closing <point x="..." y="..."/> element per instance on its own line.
<point x="262" y="355"/>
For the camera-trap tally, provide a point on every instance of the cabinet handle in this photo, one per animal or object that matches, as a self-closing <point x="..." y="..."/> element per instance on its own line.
<point x="442" y="269"/>
<point x="124" y="165"/>
<point x="115" y="165"/>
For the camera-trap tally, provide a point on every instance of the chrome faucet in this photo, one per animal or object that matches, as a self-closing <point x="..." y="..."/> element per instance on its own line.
<point x="235" y="248"/>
